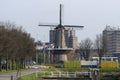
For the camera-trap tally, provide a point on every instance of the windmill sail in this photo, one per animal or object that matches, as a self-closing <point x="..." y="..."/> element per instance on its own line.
<point x="61" y="52"/>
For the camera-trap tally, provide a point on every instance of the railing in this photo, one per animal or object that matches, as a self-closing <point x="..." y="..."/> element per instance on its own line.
<point x="92" y="74"/>
<point x="66" y="74"/>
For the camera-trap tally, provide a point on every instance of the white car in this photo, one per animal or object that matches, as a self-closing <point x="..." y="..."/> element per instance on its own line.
<point x="34" y="67"/>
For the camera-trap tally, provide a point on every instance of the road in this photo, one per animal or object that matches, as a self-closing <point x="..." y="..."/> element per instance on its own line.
<point x="24" y="72"/>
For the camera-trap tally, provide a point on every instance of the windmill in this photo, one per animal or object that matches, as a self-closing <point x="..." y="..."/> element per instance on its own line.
<point x="60" y="47"/>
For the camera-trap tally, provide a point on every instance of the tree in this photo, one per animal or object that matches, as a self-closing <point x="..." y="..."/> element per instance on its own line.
<point x="85" y="47"/>
<point x="100" y="45"/>
<point x="15" y="45"/>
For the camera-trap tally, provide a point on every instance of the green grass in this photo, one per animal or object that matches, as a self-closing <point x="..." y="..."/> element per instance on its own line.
<point x="73" y="69"/>
<point x="67" y="69"/>
<point x="6" y="72"/>
<point x="83" y="69"/>
<point x="10" y="71"/>
<point x="28" y="77"/>
<point x="47" y="71"/>
<point x="110" y="69"/>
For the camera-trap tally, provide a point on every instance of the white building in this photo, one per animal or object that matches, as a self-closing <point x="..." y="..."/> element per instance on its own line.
<point x="112" y="37"/>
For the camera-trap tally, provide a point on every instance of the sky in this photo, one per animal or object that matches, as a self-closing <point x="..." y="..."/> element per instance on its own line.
<point x="94" y="15"/>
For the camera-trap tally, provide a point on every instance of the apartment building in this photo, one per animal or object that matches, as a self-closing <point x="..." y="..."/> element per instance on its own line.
<point x="112" y="36"/>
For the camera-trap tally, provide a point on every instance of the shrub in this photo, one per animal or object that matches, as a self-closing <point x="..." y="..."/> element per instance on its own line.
<point x="72" y="64"/>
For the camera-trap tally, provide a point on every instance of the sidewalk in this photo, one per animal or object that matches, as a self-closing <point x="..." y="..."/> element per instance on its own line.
<point x="24" y="72"/>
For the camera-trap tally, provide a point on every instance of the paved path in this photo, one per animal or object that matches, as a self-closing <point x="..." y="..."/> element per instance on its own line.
<point x="25" y="72"/>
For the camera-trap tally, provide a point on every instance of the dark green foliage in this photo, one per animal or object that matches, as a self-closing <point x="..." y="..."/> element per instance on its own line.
<point x="110" y="77"/>
<point x="110" y="70"/>
<point x="0" y="64"/>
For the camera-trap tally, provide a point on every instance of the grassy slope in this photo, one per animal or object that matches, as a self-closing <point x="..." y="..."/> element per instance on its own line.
<point x="33" y="76"/>
<point x="28" y="77"/>
<point x="9" y="71"/>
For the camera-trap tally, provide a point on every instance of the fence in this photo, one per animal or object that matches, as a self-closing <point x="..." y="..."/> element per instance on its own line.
<point x="90" y="75"/>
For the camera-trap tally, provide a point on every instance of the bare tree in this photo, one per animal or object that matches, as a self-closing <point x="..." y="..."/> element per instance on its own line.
<point x="105" y="49"/>
<point x="85" y="47"/>
<point x="15" y="45"/>
<point x="100" y="46"/>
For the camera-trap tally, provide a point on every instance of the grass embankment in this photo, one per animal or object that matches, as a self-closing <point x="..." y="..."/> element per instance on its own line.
<point x="110" y="73"/>
<point x="10" y="71"/>
<point x="110" y="69"/>
<point x="6" y="72"/>
<point x="28" y="77"/>
<point x="46" y="71"/>
<point x="67" y="69"/>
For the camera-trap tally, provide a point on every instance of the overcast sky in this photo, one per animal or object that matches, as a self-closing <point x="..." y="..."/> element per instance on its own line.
<point x="93" y="14"/>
